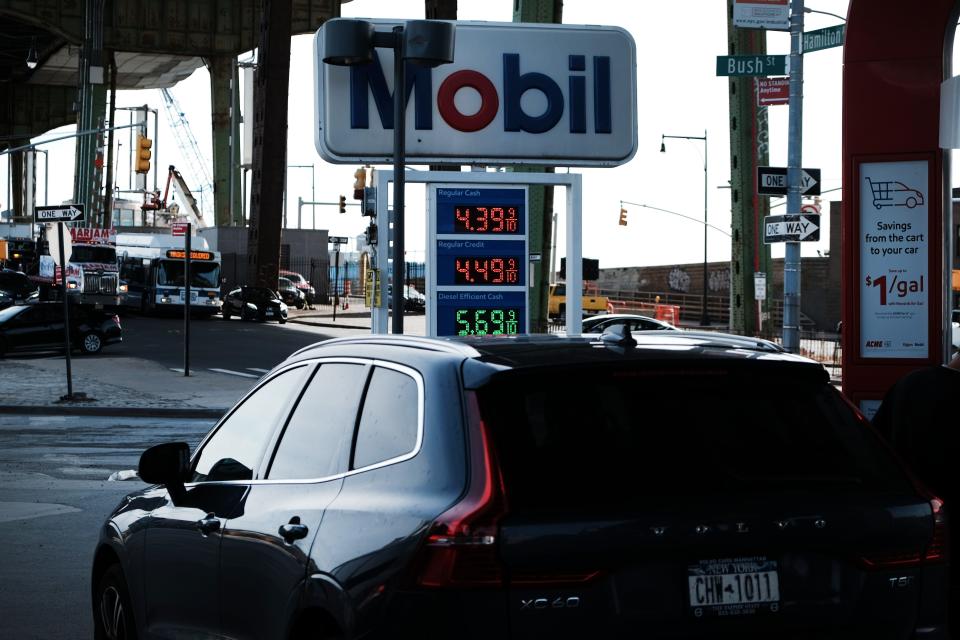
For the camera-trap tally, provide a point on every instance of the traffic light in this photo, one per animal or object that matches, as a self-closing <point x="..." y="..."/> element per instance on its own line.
<point x="142" y="164"/>
<point x="359" y="182"/>
<point x="623" y="217"/>
<point x="343" y="204"/>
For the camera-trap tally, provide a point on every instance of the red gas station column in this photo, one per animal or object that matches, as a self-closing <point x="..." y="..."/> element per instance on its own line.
<point x="894" y="192"/>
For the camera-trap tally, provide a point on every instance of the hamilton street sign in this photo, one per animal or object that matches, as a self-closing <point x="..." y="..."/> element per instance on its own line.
<point x="791" y="228"/>
<point x="59" y="213"/>
<point x="823" y="38"/>
<point x="772" y="181"/>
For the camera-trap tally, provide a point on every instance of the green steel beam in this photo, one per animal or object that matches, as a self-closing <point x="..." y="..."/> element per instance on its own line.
<point x="174" y="27"/>
<point x="540" y="211"/>
<point x="221" y="71"/>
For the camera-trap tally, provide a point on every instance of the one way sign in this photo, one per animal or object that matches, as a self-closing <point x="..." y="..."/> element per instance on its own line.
<point x="59" y="213"/>
<point x="791" y="228"/>
<point x="772" y="181"/>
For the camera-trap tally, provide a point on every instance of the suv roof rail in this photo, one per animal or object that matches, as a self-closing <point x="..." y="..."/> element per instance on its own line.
<point x="416" y="342"/>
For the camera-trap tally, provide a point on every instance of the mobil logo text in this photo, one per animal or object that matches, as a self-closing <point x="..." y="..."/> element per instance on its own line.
<point x="515" y="93"/>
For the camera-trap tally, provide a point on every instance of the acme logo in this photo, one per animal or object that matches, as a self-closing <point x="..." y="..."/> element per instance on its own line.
<point x="873" y="344"/>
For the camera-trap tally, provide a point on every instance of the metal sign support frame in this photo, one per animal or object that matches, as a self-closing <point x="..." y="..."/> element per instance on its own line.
<point x="574" y="190"/>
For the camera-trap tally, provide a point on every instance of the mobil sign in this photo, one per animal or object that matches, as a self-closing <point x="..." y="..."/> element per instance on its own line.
<point x="514" y="94"/>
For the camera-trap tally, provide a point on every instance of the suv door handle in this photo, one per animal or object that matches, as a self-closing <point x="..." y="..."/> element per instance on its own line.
<point x="293" y="530"/>
<point x="209" y="524"/>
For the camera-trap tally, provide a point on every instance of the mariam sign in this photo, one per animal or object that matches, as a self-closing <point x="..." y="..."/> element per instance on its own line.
<point x="89" y="235"/>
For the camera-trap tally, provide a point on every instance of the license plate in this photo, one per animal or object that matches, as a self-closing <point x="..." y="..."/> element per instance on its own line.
<point x="733" y="586"/>
<point x="193" y="295"/>
<point x="269" y="312"/>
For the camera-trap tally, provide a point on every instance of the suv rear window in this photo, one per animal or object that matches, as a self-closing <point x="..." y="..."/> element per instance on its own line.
<point x="607" y="436"/>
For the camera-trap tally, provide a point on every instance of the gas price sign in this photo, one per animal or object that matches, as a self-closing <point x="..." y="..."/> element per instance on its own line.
<point x="478" y="256"/>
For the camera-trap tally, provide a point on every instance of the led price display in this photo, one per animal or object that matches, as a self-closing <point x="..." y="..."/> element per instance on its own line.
<point x="486" y="270"/>
<point x="483" y="218"/>
<point x="474" y="321"/>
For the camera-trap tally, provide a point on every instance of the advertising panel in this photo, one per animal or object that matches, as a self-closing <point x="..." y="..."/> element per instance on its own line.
<point x="564" y="95"/>
<point x="894" y="260"/>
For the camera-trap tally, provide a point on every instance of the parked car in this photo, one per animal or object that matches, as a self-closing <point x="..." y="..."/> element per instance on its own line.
<point x="254" y="303"/>
<point x="17" y="285"/>
<point x="301" y="283"/>
<point x="40" y="327"/>
<point x="413" y="300"/>
<point x="529" y="487"/>
<point x="291" y="296"/>
<point x="6" y="300"/>
<point x="597" y="324"/>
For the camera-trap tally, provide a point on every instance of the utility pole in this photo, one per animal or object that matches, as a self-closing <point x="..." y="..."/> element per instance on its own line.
<point x="749" y="148"/>
<point x="271" y="88"/>
<point x="791" y="262"/>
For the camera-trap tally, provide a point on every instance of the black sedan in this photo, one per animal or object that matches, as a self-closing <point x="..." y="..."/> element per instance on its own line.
<point x="39" y="327"/>
<point x="16" y="285"/>
<point x="291" y="295"/>
<point x="254" y="303"/>
<point x="597" y="324"/>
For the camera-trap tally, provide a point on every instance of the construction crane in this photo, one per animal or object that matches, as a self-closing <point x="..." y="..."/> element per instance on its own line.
<point x="190" y="150"/>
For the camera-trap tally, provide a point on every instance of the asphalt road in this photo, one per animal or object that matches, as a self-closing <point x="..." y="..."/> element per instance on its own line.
<point x="54" y="495"/>
<point x="214" y="342"/>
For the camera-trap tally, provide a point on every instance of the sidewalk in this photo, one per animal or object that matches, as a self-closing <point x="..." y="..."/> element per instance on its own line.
<point x="125" y="386"/>
<point x="115" y="386"/>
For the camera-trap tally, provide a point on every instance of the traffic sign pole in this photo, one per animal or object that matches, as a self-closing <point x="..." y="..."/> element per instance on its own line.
<point x="186" y="300"/>
<point x="791" y="262"/>
<point x="66" y="310"/>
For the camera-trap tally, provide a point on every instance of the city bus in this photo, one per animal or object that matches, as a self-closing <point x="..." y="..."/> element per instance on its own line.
<point x="152" y="267"/>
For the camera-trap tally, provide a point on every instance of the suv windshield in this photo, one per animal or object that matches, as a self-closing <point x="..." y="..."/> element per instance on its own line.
<point x="609" y="436"/>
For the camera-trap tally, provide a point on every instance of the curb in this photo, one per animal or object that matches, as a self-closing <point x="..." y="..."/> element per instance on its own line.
<point x="127" y="412"/>
<point x="332" y="325"/>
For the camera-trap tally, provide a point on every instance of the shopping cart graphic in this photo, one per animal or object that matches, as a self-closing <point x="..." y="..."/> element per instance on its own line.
<point x="890" y="193"/>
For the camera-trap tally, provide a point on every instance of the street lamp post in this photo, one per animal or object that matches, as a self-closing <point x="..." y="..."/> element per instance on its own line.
<point x="705" y="316"/>
<point x="427" y="43"/>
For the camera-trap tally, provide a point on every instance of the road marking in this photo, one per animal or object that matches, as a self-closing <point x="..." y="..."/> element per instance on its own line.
<point x="258" y="370"/>
<point x="235" y="373"/>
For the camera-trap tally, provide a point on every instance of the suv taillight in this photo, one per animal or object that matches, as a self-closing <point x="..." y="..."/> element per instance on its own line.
<point x="935" y="551"/>
<point x="461" y="547"/>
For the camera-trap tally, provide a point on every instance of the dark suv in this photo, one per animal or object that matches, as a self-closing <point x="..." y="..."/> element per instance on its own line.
<point x="656" y="486"/>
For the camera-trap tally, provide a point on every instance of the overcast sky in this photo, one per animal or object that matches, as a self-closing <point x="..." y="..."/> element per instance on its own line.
<point x="678" y="94"/>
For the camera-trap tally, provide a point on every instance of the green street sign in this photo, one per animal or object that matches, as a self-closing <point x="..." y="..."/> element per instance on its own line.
<point x="752" y="66"/>
<point x="823" y="38"/>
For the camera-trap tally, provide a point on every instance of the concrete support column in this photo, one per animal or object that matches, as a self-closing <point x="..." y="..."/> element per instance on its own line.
<point x="221" y="71"/>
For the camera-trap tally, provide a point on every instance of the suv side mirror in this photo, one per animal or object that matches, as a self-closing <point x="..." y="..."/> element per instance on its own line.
<point x="167" y="464"/>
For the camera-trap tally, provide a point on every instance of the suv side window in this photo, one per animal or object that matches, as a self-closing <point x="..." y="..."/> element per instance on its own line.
<point x="316" y="441"/>
<point x="389" y="419"/>
<point x="233" y="451"/>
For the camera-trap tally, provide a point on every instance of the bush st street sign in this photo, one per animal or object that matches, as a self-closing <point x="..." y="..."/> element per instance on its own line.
<point x="752" y="66"/>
